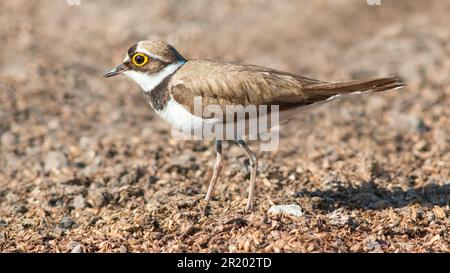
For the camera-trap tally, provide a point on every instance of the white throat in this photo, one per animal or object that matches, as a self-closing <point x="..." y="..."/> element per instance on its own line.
<point x="148" y="82"/>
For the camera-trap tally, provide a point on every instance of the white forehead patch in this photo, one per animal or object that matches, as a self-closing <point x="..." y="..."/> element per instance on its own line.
<point x="127" y="58"/>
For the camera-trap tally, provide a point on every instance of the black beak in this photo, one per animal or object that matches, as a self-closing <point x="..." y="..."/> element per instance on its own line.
<point x="115" y="71"/>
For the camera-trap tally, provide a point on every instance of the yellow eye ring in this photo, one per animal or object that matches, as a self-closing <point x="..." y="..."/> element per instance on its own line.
<point x="140" y="59"/>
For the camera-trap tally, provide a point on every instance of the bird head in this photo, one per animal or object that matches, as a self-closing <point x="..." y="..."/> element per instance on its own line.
<point x="148" y="63"/>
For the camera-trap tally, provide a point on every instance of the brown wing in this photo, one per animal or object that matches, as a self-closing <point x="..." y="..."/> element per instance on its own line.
<point x="225" y="84"/>
<point x="229" y="84"/>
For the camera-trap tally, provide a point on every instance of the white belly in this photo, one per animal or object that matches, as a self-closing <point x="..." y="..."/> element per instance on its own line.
<point x="180" y="119"/>
<point x="193" y="127"/>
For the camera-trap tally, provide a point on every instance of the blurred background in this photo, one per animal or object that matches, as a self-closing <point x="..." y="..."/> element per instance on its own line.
<point x="85" y="165"/>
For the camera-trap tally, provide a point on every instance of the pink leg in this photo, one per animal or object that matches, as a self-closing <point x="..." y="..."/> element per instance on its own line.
<point x="254" y="167"/>
<point x="217" y="169"/>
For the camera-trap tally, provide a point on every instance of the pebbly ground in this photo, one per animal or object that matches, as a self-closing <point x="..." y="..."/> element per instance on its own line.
<point x="86" y="166"/>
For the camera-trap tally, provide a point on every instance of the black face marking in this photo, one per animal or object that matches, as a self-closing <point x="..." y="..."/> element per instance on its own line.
<point x="178" y="56"/>
<point x="132" y="50"/>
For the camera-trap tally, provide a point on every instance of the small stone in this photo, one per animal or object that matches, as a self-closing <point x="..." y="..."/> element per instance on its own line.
<point x="294" y="210"/>
<point x="152" y="180"/>
<point x="99" y="198"/>
<point x="27" y="223"/>
<point x="410" y="122"/>
<point x="79" y="202"/>
<point x="123" y="249"/>
<point x="59" y="231"/>
<point x="55" y="161"/>
<point x="439" y="212"/>
<point x="338" y="217"/>
<point x="85" y="142"/>
<point x="232" y="248"/>
<point x="89" y="170"/>
<point x="22" y="209"/>
<point x="7" y="139"/>
<point x="374" y="246"/>
<point x="131" y="177"/>
<point x="66" y="222"/>
<point x="75" y="247"/>
<point x="331" y="183"/>
<point x="54" y="124"/>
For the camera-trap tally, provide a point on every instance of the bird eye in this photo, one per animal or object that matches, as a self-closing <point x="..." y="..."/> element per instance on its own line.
<point x="140" y="59"/>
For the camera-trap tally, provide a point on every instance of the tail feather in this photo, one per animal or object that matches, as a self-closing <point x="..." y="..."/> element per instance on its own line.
<point x="360" y="86"/>
<point x="319" y="93"/>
